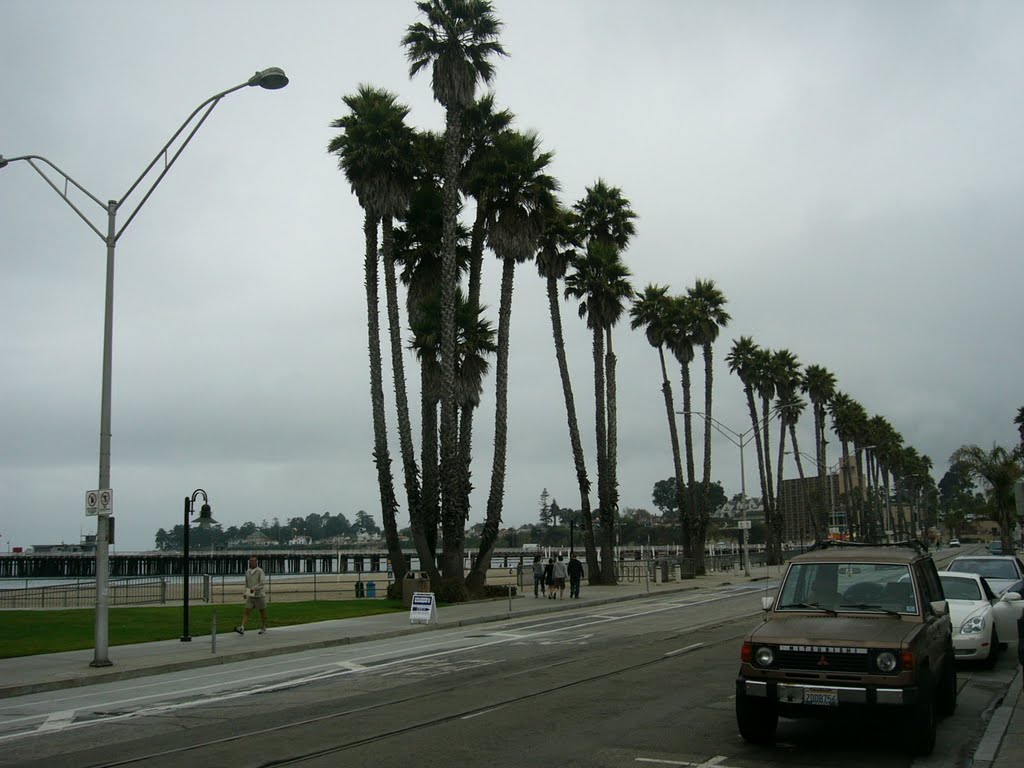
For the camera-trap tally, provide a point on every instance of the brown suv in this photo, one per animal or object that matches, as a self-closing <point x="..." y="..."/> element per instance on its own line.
<point x="853" y="628"/>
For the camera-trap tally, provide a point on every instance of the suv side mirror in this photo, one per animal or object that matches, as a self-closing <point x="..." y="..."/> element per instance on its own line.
<point x="940" y="607"/>
<point x="766" y="603"/>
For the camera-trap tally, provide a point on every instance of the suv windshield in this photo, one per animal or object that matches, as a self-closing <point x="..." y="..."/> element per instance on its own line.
<point x="839" y="586"/>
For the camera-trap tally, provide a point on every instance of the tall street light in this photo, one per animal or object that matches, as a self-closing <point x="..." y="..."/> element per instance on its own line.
<point x="270" y="79"/>
<point x="205" y="521"/>
<point x="741" y="440"/>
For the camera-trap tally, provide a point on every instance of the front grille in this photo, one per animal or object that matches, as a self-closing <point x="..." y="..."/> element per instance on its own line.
<point x="826" y="659"/>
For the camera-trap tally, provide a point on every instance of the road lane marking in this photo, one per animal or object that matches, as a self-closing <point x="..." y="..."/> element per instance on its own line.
<point x="484" y="712"/>
<point x="677" y="651"/>
<point x="58" y="721"/>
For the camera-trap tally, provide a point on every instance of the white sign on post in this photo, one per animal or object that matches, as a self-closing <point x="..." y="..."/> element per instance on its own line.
<point x="423" y="608"/>
<point x="99" y="502"/>
<point x="744" y="525"/>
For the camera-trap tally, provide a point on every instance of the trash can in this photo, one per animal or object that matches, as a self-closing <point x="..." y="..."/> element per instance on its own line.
<point x="360" y="589"/>
<point x="414" y="581"/>
<point x="371" y="589"/>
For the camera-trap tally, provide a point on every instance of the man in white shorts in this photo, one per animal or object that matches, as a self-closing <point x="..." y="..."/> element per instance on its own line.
<point x="255" y="580"/>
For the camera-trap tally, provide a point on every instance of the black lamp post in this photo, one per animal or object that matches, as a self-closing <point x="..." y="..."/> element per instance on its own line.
<point x="572" y="529"/>
<point x="205" y="520"/>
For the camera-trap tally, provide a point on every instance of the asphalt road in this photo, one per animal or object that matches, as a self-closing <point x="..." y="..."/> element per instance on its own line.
<point x="641" y="683"/>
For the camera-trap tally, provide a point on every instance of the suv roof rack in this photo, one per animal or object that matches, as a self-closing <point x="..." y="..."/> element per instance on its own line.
<point x="914" y="544"/>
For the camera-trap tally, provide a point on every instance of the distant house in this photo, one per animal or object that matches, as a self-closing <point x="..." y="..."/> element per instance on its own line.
<point x="256" y="540"/>
<point x="300" y="541"/>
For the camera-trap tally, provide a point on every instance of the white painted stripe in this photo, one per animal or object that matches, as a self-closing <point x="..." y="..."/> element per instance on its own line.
<point x="58" y="721"/>
<point x="677" y="651"/>
<point x="484" y="712"/>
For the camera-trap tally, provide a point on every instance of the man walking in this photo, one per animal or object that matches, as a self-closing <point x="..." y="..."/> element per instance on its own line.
<point x="538" y="576"/>
<point x="558" y="575"/>
<point x="255" y="580"/>
<point x="575" y="569"/>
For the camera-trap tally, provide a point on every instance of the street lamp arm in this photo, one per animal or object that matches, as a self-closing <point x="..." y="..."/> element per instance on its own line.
<point x="733" y="437"/>
<point x="272" y="79"/>
<point x="32" y="159"/>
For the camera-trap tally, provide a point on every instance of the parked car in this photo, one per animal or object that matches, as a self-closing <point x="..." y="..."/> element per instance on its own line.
<point x="853" y="629"/>
<point x="1001" y="571"/>
<point x="995" y="547"/>
<point x="977" y="615"/>
<point x="954" y="542"/>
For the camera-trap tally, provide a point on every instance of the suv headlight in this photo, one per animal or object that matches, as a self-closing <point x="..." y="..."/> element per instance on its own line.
<point x="973" y="626"/>
<point x="764" y="656"/>
<point x="886" y="661"/>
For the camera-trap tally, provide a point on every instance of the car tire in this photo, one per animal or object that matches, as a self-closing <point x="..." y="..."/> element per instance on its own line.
<point x="921" y="723"/>
<point x="947" y="694"/>
<point x="757" y="719"/>
<point x="993" y="650"/>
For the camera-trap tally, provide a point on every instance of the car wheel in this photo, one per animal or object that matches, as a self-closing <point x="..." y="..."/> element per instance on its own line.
<point x="921" y="723"/>
<point x="757" y="719"/>
<point x="993" y="650"/>
<point x="946" y="703"/>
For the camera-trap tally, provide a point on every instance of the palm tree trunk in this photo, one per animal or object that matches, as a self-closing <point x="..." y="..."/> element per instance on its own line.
<point x="613" y="423"/>
<point x="780" y="467"/>
<point x="677" y="460"/>
<point x="495" y="499"/>
<point x="381" y="454"/>
<point x="601" y="431"/>
<point x="755" y="425"/>
<point x="689" y="514"/>
<point x="582" y="480"/>
<point x="431" y="496"/>
<point x="704" y="505"/>
<point x="409" y="466"/>
<point x="775" y="527"/>
<point x="452" y="521"/>
<point x="816" y="526"/>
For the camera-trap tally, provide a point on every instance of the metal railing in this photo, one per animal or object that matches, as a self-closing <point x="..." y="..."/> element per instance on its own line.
<point x="82" y="594"/>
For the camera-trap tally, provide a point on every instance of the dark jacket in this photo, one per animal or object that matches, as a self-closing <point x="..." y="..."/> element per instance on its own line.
<point x="548" y="568"/>
<point x="575" y="568"/>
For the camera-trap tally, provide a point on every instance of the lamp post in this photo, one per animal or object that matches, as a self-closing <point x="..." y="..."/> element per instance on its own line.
<point x="205" y="521"/>
<point x="270" y="79"/>
<point x="572" y="530"/>
<point x="740" y="440"/>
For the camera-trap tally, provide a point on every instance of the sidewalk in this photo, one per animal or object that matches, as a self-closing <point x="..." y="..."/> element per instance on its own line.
<point x="1001" y="746"/>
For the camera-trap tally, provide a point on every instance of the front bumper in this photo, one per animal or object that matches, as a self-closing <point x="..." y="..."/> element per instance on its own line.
<point x="823" y="697"/>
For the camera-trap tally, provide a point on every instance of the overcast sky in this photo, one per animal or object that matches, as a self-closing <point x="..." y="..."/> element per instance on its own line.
<point x="849" y="174"/>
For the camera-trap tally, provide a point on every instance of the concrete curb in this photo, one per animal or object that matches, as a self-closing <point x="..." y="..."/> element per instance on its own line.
<point x="988" y="748"/>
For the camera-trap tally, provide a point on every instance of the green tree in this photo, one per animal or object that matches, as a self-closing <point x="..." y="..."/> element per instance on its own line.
<point x="558" y="245"/>
<point x="999" y="470"/>
<point x="458" y="42"/>
<point x="373" y="151"/>
<point x="707" y="304"/>
<point x="524" y="200"/>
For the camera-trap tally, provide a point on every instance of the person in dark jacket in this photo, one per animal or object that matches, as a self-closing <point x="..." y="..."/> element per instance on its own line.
<point x="538" y="576"/>
<point x="575" y="569"/>
<point x="549" y="577"/>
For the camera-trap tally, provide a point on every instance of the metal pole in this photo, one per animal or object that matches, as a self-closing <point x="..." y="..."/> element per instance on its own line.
<point x="101" y="634"/>
<point x="185" y="636"/>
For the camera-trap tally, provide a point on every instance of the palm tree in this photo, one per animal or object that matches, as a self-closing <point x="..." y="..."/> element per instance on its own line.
<point x="1000" y="470"/>
<point x="525" y="197"/>
<point x="458" y="42"/>
<point x="600" y="281"/>
<point x="652" y="310"/>
<point x="819" y="384"/>
<point x="1019" y="421"/>
<point x="743" y="360"/>
<point x="709" y="317"/>
<point x="786" y="368"/>
<point x="766" y="375"/>
<point x="374" y="152"/>
<point x="680" y="341"/>
<point x="558" y="246"/>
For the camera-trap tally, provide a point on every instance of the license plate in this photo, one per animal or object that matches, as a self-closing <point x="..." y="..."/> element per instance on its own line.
<point x="821" y="697"/>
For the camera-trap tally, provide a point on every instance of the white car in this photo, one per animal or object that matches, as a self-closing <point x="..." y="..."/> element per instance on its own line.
<point x="981" y="620"/>
<point x="1001" y="571"/>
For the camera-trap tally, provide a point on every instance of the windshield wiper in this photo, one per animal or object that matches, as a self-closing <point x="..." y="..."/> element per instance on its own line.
<point x="809" y="607"/>
<point x="870" y="607"/>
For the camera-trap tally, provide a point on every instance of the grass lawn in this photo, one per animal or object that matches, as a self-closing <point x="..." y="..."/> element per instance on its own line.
<point x="25" y="633"/>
